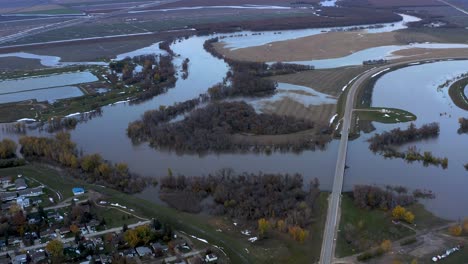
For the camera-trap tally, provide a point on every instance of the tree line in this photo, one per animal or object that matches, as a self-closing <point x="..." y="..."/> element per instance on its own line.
<point x="280" y="198"/>
<point x="463" y="125"/>
<point x="397" y="136"/>
<point x="91" y="168"/>
<point x="373" y="197"/>
<point x="212" y="128"/>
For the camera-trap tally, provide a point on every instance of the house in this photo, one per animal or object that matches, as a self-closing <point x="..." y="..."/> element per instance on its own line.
<point x="129" y="253"/>
<point x="5" y="182"/>
<point x="38" y="256"/>
<point x="20" y="184"/>
<point x="64" y="230"/>
<point x="20" y="259"/>
<point x="32" y="192"/>
<point x="159" y="249"/>
<point x="195" y="260"/>
<point x="211" y="258"/>
<point x="78" y="191"/>
<point x="48" y="233"/>
<point x="8" y="196"/>
<point x="143" y="251"/>
<point x="22" y="202"/>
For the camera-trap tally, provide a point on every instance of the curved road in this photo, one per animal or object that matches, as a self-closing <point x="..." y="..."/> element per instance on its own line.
<point x="333" y="214"/>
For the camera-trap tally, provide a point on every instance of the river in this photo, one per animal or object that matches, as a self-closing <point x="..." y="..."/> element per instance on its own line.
<point x="107" y="134"/>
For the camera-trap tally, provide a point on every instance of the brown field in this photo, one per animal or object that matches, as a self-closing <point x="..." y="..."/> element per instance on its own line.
<point x="19" y="64"/>
<point x="403" y="3"/>
<point x="191" y="3"/>
<point x="322" y="46"/>
<point x="80" y="50"/>
<point x="432" y="53"/>
<point x="287" y="107"/>
<point x="332" y="45"/>
<point x="39" y="8"/>
<point x="325" y="81"/>
<point x="329" y="81"/>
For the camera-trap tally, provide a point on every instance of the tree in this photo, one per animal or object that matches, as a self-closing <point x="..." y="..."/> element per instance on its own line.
<point x="124" y="228"/>
<point x="156" y="224"/>
<point x="131" y="238"/>
<point x="455" y="230"/>
<point x="386" y="245"/>
<point x="7" y="148"/>
<point x="409" y="217"/>
<point x="74" y="229"/>
<point x="465" y="225"/>
<point x="298" y="233"/>
<point x="263" y="226"/>
<point x="398" y="212"/>
<point x="281" y="225"/>
<point x="55" y="249"/>
<point x="414" y="261"/>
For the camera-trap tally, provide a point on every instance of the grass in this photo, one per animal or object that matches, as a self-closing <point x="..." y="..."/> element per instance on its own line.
<point x="424" y="219"/>
<point x="45" y="175"/>
<point x="58" y="11"/>
<point x="385" y="115"/>
<point x="373" y="225"/>
<point x="14" y="111"/>
<point x="114" y="217"/>
<point x="457" y="93"/>
<point x="235" y="244"/>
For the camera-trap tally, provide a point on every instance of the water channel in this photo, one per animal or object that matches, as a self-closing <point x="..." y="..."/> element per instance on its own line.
<point x="107" y="134"/>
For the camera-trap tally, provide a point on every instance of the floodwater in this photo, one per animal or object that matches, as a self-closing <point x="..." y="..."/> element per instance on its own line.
<point x="44" y="88"/>
<point x="376" y="53"/>
<point x="45" y="81"/>
<point x="50" y="94"/>
<point x="107" y="134"/>
<point x="328" y="3"/>
<point x="414" y="89"/>
<point x="245" y="39"/>
<point x="303" y="95"/>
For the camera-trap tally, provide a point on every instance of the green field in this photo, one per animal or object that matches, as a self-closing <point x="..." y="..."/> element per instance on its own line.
<point x="58" y="11"/>
<point x="373" y="225"/>
<point x="457" y="93"/>
<point x="385" y="115"/>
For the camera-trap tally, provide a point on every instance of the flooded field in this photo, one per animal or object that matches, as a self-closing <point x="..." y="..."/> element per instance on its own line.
<point x="44" y="88"/>
<point x="399" y="91"/>
<point x="414" y="89"/>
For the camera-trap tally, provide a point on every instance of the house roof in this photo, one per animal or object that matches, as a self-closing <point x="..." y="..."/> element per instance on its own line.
<point x="143" y="251"/>
<point x="20" y="182"/>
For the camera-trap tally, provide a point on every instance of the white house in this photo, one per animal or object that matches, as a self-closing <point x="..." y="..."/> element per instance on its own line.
<point x="32" y="192"/>
<point x="211" y="258"/>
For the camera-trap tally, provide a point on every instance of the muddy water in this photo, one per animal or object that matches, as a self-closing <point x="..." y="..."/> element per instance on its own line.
<point x="106" y="134"/>
<point x="415" y="89"/>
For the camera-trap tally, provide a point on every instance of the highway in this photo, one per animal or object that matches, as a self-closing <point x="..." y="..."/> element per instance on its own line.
<point x="333" y="214"/>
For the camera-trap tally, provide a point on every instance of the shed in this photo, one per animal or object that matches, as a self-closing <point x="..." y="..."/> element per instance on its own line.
<point x="77" y="191"/>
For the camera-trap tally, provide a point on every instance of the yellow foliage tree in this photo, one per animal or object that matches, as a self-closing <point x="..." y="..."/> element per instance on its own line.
<point x="281" y="225"/>
<point x="386" y="245"/>
<point x="398" y="212"/>
<point x="55" y="249"/>
<point x="131" y="238"/>
<point x="263" y="226"/>
<point x="409" y="217"/>
<point x="465" y="225"/>
<point x="74" y="229"/>
<point x="455" y="230"/>
<point x="298" y="233"/>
